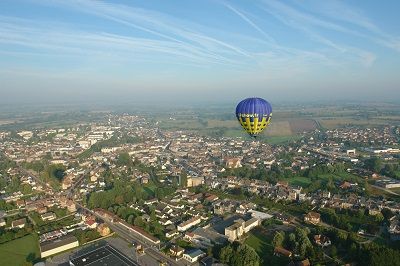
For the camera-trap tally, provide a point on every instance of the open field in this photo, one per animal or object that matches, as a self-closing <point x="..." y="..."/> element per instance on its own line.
<point x="261" y="242"/>
<point x="301" y="125"/>
<point x="18" y="251"/>
<point x="278" y="128"/>
<point x="281" y="139"/>
<point x="299" y="181"/>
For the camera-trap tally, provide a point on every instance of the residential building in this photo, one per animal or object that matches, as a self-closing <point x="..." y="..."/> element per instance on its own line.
<point x="312" y="217"/>
<point x="20" y="223"/>
<point x="193" y="255"/>
<point x="188" y="224"/>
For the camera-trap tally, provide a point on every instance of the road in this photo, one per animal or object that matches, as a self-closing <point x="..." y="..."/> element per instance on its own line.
<point x="386" y="190"/>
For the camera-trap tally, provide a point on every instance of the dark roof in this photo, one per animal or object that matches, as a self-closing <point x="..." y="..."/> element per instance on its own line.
<point x="59" y="242"/>
<point x="106" y="255"/>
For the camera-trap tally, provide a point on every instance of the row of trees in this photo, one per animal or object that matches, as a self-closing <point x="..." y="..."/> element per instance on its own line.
<point x="8" y="235"/>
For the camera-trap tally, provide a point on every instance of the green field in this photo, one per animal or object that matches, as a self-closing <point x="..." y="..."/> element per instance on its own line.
<point x="299" y="181"/>
<point x="261" y="242"/>
<point x="19" y="251"/>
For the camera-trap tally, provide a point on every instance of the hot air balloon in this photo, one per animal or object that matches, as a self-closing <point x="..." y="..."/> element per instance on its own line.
<point x="254" y="114"/>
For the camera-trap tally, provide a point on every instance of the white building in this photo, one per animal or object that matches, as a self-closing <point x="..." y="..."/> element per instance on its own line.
<point x="193" y="255"/>
<point x="61" y="244"/>
<point x="188" y="224"/>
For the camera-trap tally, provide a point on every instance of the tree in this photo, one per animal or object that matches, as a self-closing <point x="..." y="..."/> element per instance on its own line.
<point x="387" y="214"/>
<point x="333" y="251"/>
<point x="277" y="241"/>
<point x="139" y="221"/>
<point x="379" y="217"/>
<point x="373" y="164"/>
<point x="239" y="255"/>
<point x="183" y="179"/>
<point x="119" y="199"/>
<point x="124" y="159"/>
<point x="292" y="241"/>
<point x="159" y="193"/>
<point x="226" y="254"/>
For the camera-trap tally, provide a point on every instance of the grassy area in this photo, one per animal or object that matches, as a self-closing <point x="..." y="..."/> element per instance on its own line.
<point x="19" y="251"/>
<point x="261" y="242"/>
<point x="299" y="181"/>
<point x="380" y="192"/>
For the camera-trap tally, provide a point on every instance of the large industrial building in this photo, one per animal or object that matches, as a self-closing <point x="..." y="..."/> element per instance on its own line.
<point x="61" y="244"/>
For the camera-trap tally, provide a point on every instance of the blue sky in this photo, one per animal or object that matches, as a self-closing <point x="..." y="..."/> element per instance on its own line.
<point x="184" y="50"/>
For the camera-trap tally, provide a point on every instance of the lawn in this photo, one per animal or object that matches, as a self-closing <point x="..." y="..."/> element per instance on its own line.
<point x="261" y="242"/>
<point x="299" y="181"/>
<point x="19" y="251"/>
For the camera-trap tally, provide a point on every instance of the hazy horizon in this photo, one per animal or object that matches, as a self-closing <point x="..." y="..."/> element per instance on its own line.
<point x="197" y="52"/>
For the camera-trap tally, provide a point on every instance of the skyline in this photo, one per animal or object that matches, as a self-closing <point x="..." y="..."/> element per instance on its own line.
<point x="63" y="51"/>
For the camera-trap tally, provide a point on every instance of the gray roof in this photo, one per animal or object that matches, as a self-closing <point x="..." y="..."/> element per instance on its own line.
<point x="211" y="234"/>
<point x="194" y="253"/>
<point x="59" y="242"/>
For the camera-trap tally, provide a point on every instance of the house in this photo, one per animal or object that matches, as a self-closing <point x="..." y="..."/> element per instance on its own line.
<point x="91" y="223"/>
<point x="286" y="219"/>
<point x="176" y="251"/>
<point x="171" y="234"/>
<point x="305" y="262"/>
<point x="195" y="181"/>
<point x="223" y="207"/>
<point x="211" y="198"/>
<point x="71" y="206"/>
<point x="20" y="203"/>
<point x="279" y="251"/>
<point x="48" y="216"/>
<point x="144" y="180"/>
<point x="188" y="224"/>
<point x="103" y="229"/>
<point x="322" y="240"/>
<point x="312" y="217"/>
<point x="2" y="222"/>
<point x="233" y="163"/>
<point x="93" y="178"/>
<point x="20" y="223"/>
<point x="41" y="209"/>
<point x="193" y="255"/>
<point x="345" y="185"/>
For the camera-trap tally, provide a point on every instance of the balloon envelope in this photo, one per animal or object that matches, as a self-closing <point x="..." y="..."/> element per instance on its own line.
<point x="254" y="114"/>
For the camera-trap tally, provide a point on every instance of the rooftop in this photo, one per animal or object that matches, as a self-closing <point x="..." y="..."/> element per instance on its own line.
<point x="59" y="242"/>
<point x="106" y="255"/>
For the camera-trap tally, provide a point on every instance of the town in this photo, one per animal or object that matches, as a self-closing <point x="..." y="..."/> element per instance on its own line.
<point x="151" y="196"/>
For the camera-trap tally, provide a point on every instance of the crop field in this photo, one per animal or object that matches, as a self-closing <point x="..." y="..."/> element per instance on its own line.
<point x="302" y="125"/>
